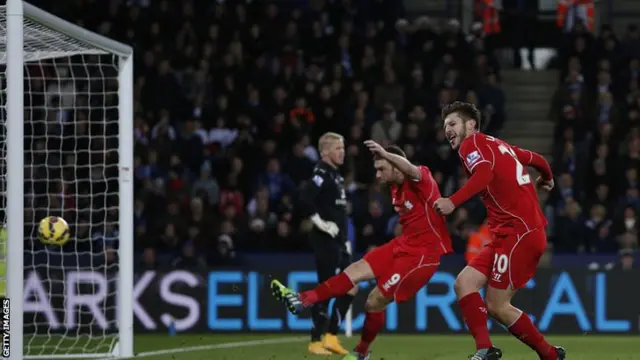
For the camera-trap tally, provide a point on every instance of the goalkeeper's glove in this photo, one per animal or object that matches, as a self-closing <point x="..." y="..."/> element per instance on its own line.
<point x="328" y="227"/>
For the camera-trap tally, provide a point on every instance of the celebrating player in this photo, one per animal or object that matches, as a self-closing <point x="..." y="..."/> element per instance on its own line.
<point x="497" y="172"/>
<point x="402" y="266"/>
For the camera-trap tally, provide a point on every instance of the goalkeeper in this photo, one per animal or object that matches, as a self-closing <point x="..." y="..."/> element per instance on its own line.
<point x="325" y="198"/>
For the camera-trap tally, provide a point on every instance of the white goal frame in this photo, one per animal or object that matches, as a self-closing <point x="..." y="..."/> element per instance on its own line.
<point x="17" y="11"/>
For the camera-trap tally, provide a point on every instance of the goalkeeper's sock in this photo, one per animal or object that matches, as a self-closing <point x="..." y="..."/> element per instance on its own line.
<point x="526" y="332"/>
<point x="373" y="323"/>
<point x="336" y="286"/>
<point x="340" y="308"/>
<point x="474" y="313"/>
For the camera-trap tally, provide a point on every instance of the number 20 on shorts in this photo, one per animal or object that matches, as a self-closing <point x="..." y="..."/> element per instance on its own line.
<point x="500" y="263"/>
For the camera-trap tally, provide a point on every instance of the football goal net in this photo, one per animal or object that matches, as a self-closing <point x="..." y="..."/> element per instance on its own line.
<point x="66" y="131"/>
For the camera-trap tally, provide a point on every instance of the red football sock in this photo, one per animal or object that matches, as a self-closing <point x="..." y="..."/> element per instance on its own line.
<point x="474" y="313"/>
<point x="336" y="286"/>
<point x="373" y="323"/>
<point x="526" y="332"/>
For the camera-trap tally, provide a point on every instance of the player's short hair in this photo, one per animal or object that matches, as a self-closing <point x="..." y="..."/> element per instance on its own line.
<point x="328" y="138"/>
<point x="396" y="150"/>
<point x="467" y="111"/>
<point x="393" y="149"/>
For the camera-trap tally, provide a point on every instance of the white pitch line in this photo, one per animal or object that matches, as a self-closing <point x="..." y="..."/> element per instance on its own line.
<point x="229" y="345"/>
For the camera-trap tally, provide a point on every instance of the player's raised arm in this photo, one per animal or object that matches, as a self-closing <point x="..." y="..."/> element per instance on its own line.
<point x="396" y="160"/>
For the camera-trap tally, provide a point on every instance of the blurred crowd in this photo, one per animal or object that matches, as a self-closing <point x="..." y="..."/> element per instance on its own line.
<point x="219" y="170"/>
<point x="597" y="143"/>
<point x="231" y="97"/>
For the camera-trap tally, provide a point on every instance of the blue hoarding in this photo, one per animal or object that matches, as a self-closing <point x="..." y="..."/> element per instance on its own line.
<point x="238" y="300"/>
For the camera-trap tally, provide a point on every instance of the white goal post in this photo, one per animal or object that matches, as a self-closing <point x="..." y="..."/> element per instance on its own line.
<point x="31" y="37"/>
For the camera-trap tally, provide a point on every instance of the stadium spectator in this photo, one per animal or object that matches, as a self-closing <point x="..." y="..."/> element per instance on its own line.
<point x="597" y="147"/>
<point x="626" y="259"/>
<point x="230" y="98"/>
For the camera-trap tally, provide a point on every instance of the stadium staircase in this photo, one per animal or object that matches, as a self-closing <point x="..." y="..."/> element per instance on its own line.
<point x="529" y="96"/>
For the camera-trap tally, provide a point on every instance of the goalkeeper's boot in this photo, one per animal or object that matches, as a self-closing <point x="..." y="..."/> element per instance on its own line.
<point x="332" y="343"/>
<point x="492" y="353"/>
<point x="316" y="348"/>
<point x="289" y="297"/>
<point x="561" y="353"/>
<point x="357" y="356"/>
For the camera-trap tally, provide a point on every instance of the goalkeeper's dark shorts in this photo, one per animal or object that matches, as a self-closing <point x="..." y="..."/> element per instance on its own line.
<point x="331" y="254"/>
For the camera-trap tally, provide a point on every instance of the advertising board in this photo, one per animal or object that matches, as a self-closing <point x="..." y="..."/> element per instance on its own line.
<point x="239" y="301"/>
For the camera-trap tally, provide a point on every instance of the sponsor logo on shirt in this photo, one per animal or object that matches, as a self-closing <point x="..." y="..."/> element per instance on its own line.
<point x="473" y="158"/>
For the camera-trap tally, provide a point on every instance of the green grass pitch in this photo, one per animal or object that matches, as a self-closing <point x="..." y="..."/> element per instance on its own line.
<point x="387" y="347"/>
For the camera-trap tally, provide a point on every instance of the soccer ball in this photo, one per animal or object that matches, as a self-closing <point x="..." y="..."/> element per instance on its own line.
<point x="53" y="230"/>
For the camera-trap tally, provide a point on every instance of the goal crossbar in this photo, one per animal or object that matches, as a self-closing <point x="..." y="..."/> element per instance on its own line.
<point x="15" y="56"/>
<point x="103" y="45"/>
<point x="76" y="32"/>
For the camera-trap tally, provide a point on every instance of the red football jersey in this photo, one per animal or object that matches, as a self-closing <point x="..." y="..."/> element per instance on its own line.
<point x="422" y="227"/>
<point x="510" y="198"/>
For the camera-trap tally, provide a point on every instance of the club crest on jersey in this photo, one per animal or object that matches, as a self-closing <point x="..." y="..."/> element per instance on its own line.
<point x="403" y="208"/>
<point x="473" y="157"/>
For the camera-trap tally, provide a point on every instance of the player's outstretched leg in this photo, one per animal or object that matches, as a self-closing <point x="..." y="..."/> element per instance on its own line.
<point x="296" y="302"/>
<point x="335" y="286"/>
<point x="290" y="298"/>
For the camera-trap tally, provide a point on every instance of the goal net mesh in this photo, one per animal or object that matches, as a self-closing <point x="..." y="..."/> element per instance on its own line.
<point x="71" y="157"/>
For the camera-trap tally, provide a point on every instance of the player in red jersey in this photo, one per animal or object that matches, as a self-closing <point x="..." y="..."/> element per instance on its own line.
<point x="402" y="266"/>
<point x="517" y="225"/>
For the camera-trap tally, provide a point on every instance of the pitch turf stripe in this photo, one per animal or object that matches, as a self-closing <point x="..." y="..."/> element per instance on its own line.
<point x="229" y="345"/>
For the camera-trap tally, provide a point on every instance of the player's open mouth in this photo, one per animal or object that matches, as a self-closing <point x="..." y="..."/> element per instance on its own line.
<point x="451" y="137"/>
